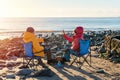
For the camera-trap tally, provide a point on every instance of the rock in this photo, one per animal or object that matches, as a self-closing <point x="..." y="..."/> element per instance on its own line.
<point x="2" y="65"/>
<point x="1" y="68"/>
<point x="14" y="58"/>
<point x="100" y="71"/>
<point x="10" y="64"/>
<point x="1" y="78"/>
<point x="10" y="76"/>
<point x="44" y="72"/>
<point x="23" y="72"/>
<point x="10" y="68"/>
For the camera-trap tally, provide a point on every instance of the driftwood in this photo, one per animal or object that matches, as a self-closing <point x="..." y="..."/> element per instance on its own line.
<point x="112" y="43"/>
<point x="112" y="49"/>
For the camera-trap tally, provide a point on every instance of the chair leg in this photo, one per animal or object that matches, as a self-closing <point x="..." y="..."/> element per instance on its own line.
<point x="40" y="62"/>
<point x="86" y="62"/>
<point x="28" y="62"/>
<point x="35" y="64"/>
<point x="90" y="58"/>
<point x="23" y="61"/>
<point x="73" y="61"/>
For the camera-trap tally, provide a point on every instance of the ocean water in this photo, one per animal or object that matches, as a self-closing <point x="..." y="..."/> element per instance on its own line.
<point x="66" y="23"/>
<point x="59" y="23"/>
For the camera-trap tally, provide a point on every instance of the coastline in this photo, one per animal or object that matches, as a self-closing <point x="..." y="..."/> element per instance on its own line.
<point x="11" y="34"/>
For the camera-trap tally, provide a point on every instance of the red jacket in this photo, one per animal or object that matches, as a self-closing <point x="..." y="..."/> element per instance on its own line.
<point x="75" y="38"/>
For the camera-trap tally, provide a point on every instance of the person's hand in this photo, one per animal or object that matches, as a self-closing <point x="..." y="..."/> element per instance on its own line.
<point x="63" y="32"/>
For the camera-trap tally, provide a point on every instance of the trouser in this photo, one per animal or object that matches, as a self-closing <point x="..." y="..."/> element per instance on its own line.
<point x="66" y="56"/>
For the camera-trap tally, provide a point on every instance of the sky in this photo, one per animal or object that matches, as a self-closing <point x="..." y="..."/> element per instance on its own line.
<point x="59" y="8"/>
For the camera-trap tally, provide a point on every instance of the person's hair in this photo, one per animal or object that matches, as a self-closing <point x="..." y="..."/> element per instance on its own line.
<point x="30" y="29"/>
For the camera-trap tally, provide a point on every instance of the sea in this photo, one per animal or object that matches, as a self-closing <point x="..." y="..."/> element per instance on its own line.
<point x="9" y="27"/>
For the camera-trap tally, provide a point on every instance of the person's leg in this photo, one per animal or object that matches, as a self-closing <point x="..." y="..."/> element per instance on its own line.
<point x="48" y="54"/>
<point x="72" y="52"/>
<point x="66" y="56"/>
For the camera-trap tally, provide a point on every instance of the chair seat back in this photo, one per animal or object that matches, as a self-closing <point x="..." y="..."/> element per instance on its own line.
<point x="28" y="49"/>
<point x="84" y="47"/>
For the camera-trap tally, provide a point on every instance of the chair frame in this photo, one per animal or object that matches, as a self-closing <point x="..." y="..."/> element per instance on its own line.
<point x="30" y="58"/>
<point x="84" y="57"/>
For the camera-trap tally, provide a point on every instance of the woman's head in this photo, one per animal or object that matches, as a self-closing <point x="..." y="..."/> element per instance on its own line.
<point x="30" y="29"/>
<point x="78" y="29"/>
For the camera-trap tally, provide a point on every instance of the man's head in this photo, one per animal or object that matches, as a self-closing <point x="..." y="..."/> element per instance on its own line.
<point x="30" y="29"/>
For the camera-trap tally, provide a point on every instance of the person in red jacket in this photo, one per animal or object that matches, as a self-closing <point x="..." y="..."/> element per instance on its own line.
<point x="78" y="34"/>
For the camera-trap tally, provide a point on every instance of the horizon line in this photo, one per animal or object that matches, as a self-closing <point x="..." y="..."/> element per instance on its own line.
<point x="64" y="17"/>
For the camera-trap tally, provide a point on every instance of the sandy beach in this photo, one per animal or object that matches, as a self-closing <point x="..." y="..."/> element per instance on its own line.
<point x="104" y="69"/>
<point x="111" y="71"/>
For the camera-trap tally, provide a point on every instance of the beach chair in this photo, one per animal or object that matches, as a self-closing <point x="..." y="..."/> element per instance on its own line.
<point x="84" y="53"/>
<point x="29" y="59"/>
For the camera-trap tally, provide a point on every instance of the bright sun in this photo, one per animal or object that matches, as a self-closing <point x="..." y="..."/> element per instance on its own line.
<point x="4" y="8"/>
<point x="8" y="8"/>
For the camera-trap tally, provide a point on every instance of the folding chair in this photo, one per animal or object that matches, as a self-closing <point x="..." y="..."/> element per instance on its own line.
<point x="83" y="53"/>
<point x="29" y="56"/>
